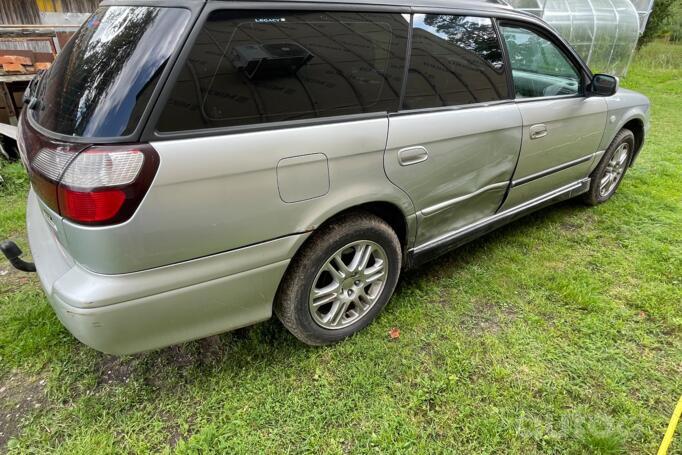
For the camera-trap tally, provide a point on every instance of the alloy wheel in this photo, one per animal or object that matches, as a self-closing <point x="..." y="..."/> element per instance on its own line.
<point x="614" y="170"/>
<point x="348" y="285"/>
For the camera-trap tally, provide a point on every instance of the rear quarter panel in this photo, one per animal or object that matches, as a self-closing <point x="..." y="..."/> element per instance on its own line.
<point x="219" y="193"/>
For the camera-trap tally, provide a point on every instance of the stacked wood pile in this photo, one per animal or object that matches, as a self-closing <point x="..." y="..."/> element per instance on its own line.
<point x="32" y="32"/>
<point x="24" y="62"/>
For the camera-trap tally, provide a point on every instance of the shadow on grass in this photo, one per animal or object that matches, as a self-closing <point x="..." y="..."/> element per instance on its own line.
<point x="473" y="251"/>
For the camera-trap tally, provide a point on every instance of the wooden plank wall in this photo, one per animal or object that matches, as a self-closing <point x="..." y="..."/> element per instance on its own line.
<point x="28" y="11"/>
<point x="19" y="12"/>
<point x="79" y="6"/>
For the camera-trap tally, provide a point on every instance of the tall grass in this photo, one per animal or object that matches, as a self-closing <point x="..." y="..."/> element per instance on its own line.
<point x="13" y="178"/>
<point x="660" y="55"/>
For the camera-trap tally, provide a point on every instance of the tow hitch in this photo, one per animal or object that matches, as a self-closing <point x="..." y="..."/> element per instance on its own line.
<point x="12" y="252"/>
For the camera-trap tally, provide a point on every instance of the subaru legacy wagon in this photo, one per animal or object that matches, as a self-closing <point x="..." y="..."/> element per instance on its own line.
<point x="197" y="165"/>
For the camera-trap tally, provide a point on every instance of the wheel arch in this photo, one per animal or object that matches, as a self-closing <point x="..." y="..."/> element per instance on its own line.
<point x="402" y="224"/>
<point x="387" y="211"/>
<point x="636" y="125"/>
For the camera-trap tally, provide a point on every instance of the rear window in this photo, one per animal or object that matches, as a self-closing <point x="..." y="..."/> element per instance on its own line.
<point x="101" y="82"/>
<point x="249" y="67"/>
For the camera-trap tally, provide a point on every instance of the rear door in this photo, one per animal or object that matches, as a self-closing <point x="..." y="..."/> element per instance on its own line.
<point x="455" y="142"/>
<point x="562" y="128"/>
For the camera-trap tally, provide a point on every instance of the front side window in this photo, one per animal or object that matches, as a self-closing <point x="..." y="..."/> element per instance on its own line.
<point x="539" y="67"/>
<point x="252" y="67"/>
<point x="455" y="60"/>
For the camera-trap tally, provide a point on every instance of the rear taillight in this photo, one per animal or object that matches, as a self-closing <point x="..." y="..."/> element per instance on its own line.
<point x="93" y="185"/>
<point x="90" y="206"/>
<point x="105" y="185"/>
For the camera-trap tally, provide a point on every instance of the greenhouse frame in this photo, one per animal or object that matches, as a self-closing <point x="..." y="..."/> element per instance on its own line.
<point x="603" y="32"/>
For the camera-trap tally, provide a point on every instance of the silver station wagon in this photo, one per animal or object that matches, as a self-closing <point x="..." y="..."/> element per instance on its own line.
<point x="197" y="165"/>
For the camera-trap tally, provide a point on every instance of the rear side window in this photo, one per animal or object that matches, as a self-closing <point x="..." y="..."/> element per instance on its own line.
<point x="249" y="67"/>
<point x="455" y="60"/>
<point x="101" y="82"/>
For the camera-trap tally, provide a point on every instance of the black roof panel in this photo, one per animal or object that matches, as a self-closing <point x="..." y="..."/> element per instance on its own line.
<point x="479" y="5"/>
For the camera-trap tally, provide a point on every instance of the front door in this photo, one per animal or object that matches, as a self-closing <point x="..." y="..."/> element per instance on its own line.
<point x="454" y="144"/>
<point x="562" y="128"/>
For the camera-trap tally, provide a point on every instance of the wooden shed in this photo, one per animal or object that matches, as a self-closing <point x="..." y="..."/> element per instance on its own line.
<point x="32" y="32"/>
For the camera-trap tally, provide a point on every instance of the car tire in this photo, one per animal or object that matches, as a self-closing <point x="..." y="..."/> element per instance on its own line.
<point x="319" y="301"/>
<point x="609" y="173"/>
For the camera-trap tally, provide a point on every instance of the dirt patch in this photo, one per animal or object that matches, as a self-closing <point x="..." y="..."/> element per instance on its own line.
<point x="114" y="370"/>
<point x="577" y="222"/>
<point x="173" y="430"/>
<point x="347" y="446"/>
<point x="164" y="369"/>
<point x="444" y="297"/>
<point x="488" y="317"/>
<point x="19" y="396"/>
<point x="184" y="360"/>
<point x="202" y="352"/>
<point x="571" y="225"/>
<point x="213" y="349"/>
<point x="12" y="279"/>
<point x="174" y="436"/>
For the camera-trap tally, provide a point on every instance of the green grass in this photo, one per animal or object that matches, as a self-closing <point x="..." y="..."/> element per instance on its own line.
<point x="561" y="333"/>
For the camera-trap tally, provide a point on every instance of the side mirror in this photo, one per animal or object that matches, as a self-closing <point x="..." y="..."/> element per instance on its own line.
<point x="603" y="85"/>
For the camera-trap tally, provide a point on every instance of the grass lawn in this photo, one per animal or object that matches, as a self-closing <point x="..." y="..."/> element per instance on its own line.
<point x="561" y="333"/>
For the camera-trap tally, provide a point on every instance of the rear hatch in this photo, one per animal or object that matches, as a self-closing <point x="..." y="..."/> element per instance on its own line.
<point x="79" y="134"/>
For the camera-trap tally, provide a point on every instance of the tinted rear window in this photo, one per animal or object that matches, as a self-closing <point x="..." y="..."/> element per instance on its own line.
<point x="455" y="60"/>
<point x="102" y="81"/>
<point x="250" y="67"/>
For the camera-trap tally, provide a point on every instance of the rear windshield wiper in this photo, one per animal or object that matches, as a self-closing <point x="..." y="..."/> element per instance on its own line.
<point x="31" y="94"/>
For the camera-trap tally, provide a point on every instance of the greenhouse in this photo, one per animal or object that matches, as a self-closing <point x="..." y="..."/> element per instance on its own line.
<point x="604" y="32"/>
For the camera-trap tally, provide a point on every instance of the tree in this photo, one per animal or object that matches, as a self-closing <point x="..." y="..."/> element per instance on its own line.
<point x="657" y="21"/>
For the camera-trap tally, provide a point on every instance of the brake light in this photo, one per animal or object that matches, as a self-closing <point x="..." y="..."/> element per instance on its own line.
<point x="93" y="185"/>
<point x="89" y="207"/>
<point x="105" y="185"/>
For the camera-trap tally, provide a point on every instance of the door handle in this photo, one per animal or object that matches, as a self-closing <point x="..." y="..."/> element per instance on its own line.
<point x="538" y="131"/>
<point x="412" y="155"/>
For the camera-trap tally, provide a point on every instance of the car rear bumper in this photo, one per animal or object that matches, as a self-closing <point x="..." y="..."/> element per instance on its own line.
<point x="128" y="313"/>
<point x="175" y="316"/>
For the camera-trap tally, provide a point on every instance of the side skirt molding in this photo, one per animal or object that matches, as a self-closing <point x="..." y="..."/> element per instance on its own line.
<point x="428" y="211"/>
<point x="555" y="169"/>
<point x="448" y="242"/>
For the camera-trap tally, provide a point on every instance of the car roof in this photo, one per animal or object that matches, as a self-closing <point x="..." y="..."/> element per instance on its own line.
<point x="478" y="5"/>
<point x="485" y="7"/>
<point x="496" y="8"/>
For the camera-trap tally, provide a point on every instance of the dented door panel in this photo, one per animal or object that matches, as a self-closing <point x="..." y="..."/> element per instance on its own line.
<point x="470" y="162"/>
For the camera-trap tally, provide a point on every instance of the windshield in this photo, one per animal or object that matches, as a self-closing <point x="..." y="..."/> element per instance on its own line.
<point x="101" y="82"/>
